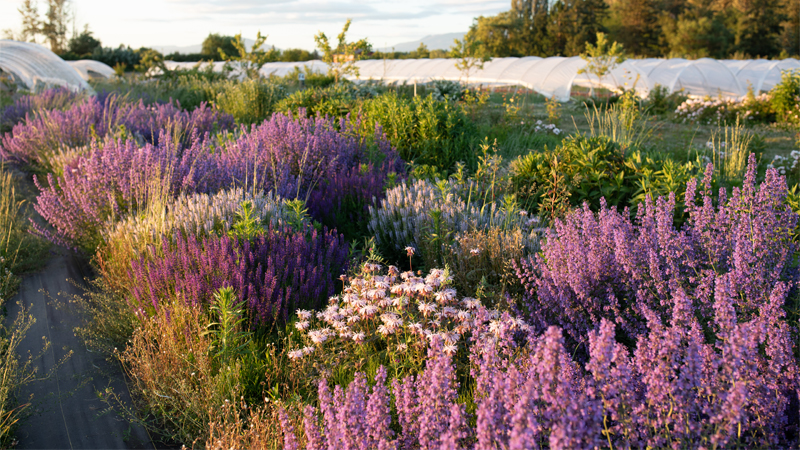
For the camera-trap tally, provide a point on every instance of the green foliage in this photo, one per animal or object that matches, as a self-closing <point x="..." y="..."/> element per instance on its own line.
<point x="445" y="90"/>
<point x="786" y="97"/>
<point x="83" y="44"/>
<point x="470" y="54"/>
<point x="622" y="122"/>
<point x="342" y="58"/>
<point x="423" y="130"/>
<point x="335" y="100"/>
<point x="313" y="79"/>
<point x="215" y="45"/>
<point x="585" y="169"/>
<point x="229" y="340"/>
<point x="247" y="225"/>
<point x="121" y="55"/>
<point x="250" y="101"/>
<point x="661" y="101"/>
<point x="601" y="58"/>
<point x="250" y="62"/>
<point x="152" y="59"/>
<point x="297" y="216"/>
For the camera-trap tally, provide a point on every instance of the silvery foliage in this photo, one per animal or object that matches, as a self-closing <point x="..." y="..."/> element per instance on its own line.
<point x="202" y="214"/>
<point x="408" y="212"/>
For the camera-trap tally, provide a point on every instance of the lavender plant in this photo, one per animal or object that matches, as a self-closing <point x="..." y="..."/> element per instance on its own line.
<point x="114" y="180"/>
<point x="326" y="163"/>
<point x="34" y="141"/>
<point x="30" y="105"/>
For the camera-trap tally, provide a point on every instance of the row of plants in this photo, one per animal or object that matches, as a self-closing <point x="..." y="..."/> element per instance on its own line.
<point x="779" y="105"/>
<point x="236" y="284"/>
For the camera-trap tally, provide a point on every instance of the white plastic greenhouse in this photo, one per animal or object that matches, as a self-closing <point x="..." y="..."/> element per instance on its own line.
<point x="34" y="66"/>
<point x="89" y="69"/>
<point x="557" y="76"/>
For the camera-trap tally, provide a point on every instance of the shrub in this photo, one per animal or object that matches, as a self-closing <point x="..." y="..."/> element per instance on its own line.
<point x="786" y="96"/>
<point x="336" y="100"/>
<point x="198" y="215"/>
<point x="250" y="101"/>
<point x="276" y="272"/>
<point x="661" y="101"/>
<point x="335" y="169"/>
<point x="423" y="130"/>
<point x="388" y="320"/>
<point x="752" y="109"/>
<point x="587" y="169"/>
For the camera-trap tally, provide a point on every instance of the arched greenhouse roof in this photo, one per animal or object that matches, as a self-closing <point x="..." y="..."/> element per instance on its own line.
<point x="32" y="66"/>
<point x="90" y="69"/>
<point x="556" y="76"/>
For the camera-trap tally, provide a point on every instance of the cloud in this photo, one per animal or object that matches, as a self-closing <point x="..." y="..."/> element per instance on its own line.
<point x="251" y="12"/>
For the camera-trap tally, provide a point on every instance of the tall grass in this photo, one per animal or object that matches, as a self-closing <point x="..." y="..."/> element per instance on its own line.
<point x="622" y="122"/>
<point x="730" y="148"/>
<point x="18" y="251"/>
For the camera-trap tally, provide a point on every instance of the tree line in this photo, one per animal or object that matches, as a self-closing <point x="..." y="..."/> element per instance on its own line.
<point x="646" y="28"/>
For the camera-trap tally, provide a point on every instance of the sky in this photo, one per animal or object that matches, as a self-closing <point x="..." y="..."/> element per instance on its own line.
<point x="289" y="23"/>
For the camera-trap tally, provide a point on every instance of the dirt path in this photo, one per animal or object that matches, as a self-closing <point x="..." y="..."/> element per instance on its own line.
<point x="66" y="411"/>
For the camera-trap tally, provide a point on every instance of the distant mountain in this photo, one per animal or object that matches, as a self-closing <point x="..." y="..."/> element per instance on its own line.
<point x="433" y="41"/>
<point x="166" y="49"/>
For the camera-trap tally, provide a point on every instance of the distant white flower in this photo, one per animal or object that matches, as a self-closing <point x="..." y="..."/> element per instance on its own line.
<point x="302" y="325"/>
<point x="402" y="347"/>
<point x="450" y="349"/>
<point x="410" y="251"/>
<point x="296" y="354"/>
<point x="359" y="337"/>
<point x="475" y="251"/>
<point x="303" y="314"/>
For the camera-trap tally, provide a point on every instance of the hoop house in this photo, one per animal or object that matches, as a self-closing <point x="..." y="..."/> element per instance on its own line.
<point x="89" y="69"/>
<point x="35" y="67"/>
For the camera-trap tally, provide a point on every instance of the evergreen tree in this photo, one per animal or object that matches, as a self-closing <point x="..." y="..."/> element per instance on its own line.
<point x="758" y="27"/>
<point x="573" y="23"/>
<point x="214" y="43"/>
<point x="634" y="24"/>
<point x="84" y="43"/>
<point x="790" y="35"/>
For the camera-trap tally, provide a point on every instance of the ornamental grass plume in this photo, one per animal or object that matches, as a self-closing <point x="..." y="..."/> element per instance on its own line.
<point x="605" y="265"/>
